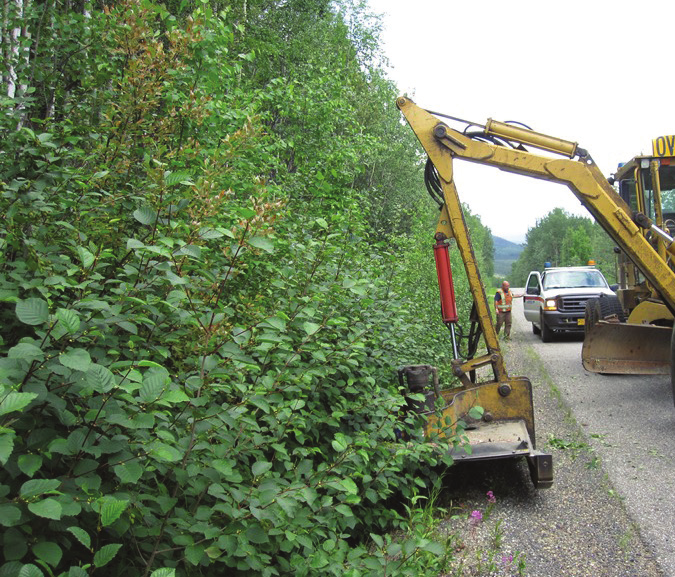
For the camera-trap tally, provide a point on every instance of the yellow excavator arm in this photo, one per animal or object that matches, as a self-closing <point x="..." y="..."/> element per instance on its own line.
<point x="507" y="426"/>
<point x="581" y="175"/>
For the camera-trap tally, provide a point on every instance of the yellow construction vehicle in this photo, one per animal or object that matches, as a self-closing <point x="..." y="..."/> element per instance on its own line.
<point x="506" y="428"/>
<point x="631" y="333"/>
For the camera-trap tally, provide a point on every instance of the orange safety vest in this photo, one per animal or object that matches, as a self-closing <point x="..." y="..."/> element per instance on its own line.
<point x="504" y="305"/>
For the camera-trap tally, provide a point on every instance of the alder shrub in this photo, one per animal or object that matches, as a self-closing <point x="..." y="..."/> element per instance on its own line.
<point x="214" y="395"/>
<point x="195" y="380"/>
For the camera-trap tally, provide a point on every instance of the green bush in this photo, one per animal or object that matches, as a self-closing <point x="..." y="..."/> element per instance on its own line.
<point x="200" y="335"/>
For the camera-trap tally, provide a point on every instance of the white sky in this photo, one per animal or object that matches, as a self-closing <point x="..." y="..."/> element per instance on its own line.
<point x="596" y="72"/>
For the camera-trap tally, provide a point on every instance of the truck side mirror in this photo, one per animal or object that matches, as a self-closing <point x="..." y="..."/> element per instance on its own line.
<point x="614" y="287"/>
<point x="533" y="290"/>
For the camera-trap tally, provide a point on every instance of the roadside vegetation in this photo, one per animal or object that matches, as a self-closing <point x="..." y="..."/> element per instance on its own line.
<point x="216" y="251"/>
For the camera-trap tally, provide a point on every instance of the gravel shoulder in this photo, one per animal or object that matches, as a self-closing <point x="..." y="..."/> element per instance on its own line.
<point x="579" y="527"/>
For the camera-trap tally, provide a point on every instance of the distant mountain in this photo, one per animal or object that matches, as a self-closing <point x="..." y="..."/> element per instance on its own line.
<point x="506" y="253"/>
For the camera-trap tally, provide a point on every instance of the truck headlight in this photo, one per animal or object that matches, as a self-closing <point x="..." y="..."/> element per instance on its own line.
<point x="549" y="305"/>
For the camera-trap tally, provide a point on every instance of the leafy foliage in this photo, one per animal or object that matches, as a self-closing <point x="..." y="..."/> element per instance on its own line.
<point x="200" y="321"/>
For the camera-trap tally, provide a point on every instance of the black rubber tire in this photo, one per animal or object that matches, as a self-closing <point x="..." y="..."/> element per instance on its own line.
<point x="601" y="308"/>
<point x="535" y="329"/>
<point x="591" y="314"/>
<point x="546" y="333"/>
<point x="611" y="305"/>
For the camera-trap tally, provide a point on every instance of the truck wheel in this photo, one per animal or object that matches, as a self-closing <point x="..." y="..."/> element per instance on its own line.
<point x="546" y="333"/>
<point x="535" y="329"/>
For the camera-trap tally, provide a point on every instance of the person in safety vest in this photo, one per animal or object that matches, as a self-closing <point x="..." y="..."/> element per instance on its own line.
<point x="503" y="303"/>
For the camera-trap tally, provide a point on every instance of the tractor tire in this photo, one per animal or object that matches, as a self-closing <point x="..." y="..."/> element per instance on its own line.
<point x="610" y="305"/>
<point x="591" y="314"/>
<point x="604" y="307"/>
<point x="546" y="332"/>
<point x="535" y="329"/>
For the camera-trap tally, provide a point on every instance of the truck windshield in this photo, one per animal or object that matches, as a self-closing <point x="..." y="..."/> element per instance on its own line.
<point x="574" y="279"/>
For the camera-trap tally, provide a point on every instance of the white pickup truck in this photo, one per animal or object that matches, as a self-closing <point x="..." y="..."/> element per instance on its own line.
<point x="555" y="300"/>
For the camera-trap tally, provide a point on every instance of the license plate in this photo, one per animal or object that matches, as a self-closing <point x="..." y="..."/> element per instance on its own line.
<point x="581" y="322"/>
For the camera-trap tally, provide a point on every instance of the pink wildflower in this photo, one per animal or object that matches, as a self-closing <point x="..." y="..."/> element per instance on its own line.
<point x="491" y="497"/>
<point x="475" y="518"/>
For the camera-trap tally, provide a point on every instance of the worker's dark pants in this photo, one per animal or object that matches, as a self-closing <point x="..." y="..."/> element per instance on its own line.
<point x="504" y="318"/>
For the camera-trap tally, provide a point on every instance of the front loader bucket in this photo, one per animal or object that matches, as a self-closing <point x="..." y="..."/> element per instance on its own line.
<point x="627" y="349"/>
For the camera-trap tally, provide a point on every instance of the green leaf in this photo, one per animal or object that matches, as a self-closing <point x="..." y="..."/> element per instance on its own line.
<point x="194" y="553"/>
<point x="164" y="572"/>
<point x="15" y="402"/>
<point x="344" y="510"/>
<point x="339" y="443"/>
<point x="434" y="547"/>
<point x="76" y="359"/>
<point x="48" y="508"/>
<point x="175" y="396"/>
<point x="112" y="510"/>
<point x="164" y="452"/>
<point x="77" y="572"/>
<point x="36" y="487"/>
<point x="262" y="243"/>
<point x="29" y="464"/>
<point x="82" y="536"/>
<point x="9" y="514"/>
<point x="209" y="233"/>
<point x="310" y="328"/>
<point x="6" y="447"/>
<point x="25" y="351"/>
<point x="260" y="468"/>
<point x="106" y="554"/>
<point x="256" y="534"/>
<point x="68" y="320"/>
<point x="86" y="257"/>
<point x="154" y="383"/>
<point x="30" y="571"/>
<point x="133" y="243"/>
<point x="476" y="412"/>
<point x="191" y="250"/>
<point x="349" y="486"/>
<point x="14" y="545"/>
<point x="48" y="552"/>
<point x="100" y="378"/>
<point x="129" y="472"/>
<point x="32" y="311"/>
<point x="145" y="215"/>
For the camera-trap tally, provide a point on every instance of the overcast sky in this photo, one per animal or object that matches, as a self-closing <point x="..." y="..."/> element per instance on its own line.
<point x="595" y="72"/>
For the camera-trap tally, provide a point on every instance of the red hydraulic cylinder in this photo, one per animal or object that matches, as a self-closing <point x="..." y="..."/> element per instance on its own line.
<point x="444" y="271"/>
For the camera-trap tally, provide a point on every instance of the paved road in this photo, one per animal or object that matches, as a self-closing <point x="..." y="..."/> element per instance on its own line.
<point x="611" y="511"/>
<point x="630" y="423"/>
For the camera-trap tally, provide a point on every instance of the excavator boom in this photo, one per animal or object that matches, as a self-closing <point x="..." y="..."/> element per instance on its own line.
<point x="507" y="426"/>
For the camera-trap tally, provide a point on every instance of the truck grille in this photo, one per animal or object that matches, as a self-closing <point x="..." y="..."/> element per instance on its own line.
<point x="573" y="304"/>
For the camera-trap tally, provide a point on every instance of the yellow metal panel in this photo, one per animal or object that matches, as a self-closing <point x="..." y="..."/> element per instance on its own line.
<point x="516" y="405"/>
<point x="663" y="146"/>
<point x="647" y="312"/>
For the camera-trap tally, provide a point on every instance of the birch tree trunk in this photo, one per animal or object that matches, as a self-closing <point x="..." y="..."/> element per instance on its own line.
<point x="16" y="38"/>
